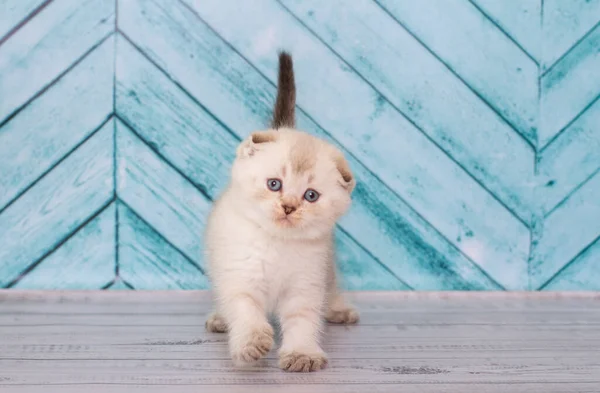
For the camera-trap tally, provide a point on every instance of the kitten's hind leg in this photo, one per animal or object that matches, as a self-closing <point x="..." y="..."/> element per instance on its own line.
<point x="215" y="323"/>
<point x="339" y="311"/>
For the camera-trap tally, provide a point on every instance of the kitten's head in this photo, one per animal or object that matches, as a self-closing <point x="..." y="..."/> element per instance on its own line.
<point x="290" y="183"/>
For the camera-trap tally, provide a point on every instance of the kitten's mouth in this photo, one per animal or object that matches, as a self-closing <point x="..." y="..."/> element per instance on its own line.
<point x="285" y="221"/>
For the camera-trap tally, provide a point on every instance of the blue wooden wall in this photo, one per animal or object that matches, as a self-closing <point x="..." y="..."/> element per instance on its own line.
<point x="473" y="127"/>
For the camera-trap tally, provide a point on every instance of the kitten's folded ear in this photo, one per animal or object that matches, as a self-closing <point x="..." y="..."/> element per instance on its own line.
<point x="251" y="145"/>
<point x="285" y="104"/>
<point x="347" y="181"/>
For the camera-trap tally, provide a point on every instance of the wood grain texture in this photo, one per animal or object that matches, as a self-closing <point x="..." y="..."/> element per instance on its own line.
<point x="357" y="268"/>
<point x="56" y="123"/>
<point x="199" y="146"/>
<point x="570" y="86"/>
<point x="13" y="13"/>
<point x="489" y="63"/>
<point x="120" y="285"/>
<point x="374" y="132"/>
<point x="160" y="195"/>
<point x="564" y="23"/>
<point x="148" y="261"/>
<point x="41" y="50"/>
<point x="177" y="128"/>
<point x="385" y="224"/>
<point x="570" y="160"/>
<point x="488" y="143"/>
<point x="519" y="19"/>
<point x="560" y="243"/>
<point x="57" y="205"/>
<point x="408" y="387"/>
<point x="406" y="243"/>
<point x="86" y="260"/>
<point x="471" y="127"/>
<point x="406" y="342"/>
<point x="581" y="273"/>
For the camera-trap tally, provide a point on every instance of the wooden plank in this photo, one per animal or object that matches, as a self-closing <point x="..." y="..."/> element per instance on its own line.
<point x="574" y="225"/>
<point x="388" y="300"/>
<point x="476" y="50"/>
<point x="570" y="86"/>
<point x="401" y="387"/>
<point x="85" y="261"/>
<point x="403" y="339"/>
<point x="470" y="330"/>
<point x="147" y="261"/>
<point x="439" y="103"/>
<point x="171" y="122"/>
<point x="519" y="19"/>
<point x="564" y="23"/>
<point x="179" y="129"/>
<point x="570" y="160"/>
<point x="119" y="285"/>
<point x="198" y="145"/>
<point x="38" y="53"/>
<point x="445" y="315"/>
<point x="171" y="205"/>
<point x="385" y="224"/>
<point x="55" y="123"/>
<point x="57" y="205"/>
<point x="344" y="109"/>
<point x="406" y="243"/>
<point x="12" y="13"/>
<point x="414" y="324"/>
<point x="582" y="274"/>
<point x="350" y="371"/>
<point x="358" y="269"/>
<point x="214" y="81"/>
<point x="207" y="348"/>
<point x="511" y="346"/>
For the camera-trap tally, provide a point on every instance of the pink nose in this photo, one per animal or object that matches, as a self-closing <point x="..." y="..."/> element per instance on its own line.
<point x="288" y="209"/>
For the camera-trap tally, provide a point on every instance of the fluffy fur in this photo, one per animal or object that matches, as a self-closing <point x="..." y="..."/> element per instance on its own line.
<point x="262" y="260"/>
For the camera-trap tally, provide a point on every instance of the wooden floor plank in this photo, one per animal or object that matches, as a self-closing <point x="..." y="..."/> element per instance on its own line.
<point x="313" y="388"/>
<point x="428" y="342"/>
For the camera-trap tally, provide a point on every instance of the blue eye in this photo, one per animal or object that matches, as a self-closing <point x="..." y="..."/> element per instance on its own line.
<point x="274" y="184"/>
<point x="311" y="195"/>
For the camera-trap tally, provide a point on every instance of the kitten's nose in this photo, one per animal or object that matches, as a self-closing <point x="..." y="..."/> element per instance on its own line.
<point x="288" y="209"/>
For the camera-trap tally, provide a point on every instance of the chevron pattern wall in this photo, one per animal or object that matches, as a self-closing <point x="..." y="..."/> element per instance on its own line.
<point x="473" y="127"/>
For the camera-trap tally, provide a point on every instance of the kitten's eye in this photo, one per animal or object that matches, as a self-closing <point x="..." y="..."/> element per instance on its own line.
<point x="311" y="195"/>
<point x="274" y="184"/>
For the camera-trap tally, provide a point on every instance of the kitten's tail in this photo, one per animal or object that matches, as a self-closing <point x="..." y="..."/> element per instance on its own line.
<point x="285" y="105"/>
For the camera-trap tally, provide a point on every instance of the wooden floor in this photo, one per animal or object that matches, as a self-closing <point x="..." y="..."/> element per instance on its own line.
<point x="406" y="342"/>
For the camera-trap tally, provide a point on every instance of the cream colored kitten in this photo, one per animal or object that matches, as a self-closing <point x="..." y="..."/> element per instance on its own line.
<point x="269" y="240"/>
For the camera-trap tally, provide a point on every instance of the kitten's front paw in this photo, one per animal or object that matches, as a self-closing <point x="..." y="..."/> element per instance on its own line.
<point x="346" y="315"/>
<point x="216" y="323"/>
<point x="298" y="361"/>
<point x="253" y="346"/>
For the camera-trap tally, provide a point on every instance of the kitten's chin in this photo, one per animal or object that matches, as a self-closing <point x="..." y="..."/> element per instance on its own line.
<point x="287" y="228"/>
<point x="284" y="222"/>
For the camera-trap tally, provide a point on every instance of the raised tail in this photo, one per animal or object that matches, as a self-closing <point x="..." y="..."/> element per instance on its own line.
<point x="284" y="113"/>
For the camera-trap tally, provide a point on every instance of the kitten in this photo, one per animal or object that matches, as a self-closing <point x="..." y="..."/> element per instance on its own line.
<point x="269" y="240"/>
